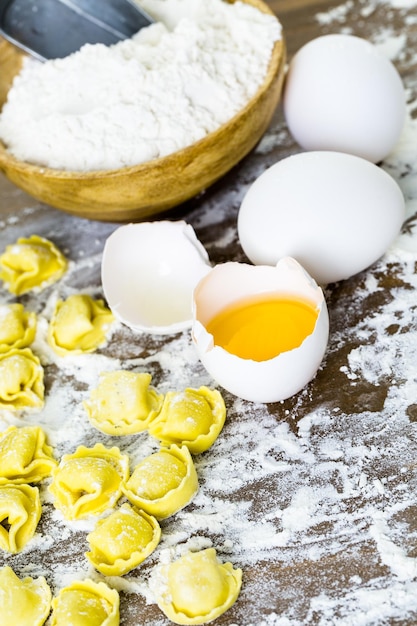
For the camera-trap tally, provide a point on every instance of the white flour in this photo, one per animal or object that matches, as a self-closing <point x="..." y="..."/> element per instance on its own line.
<point x="143" y="98"/>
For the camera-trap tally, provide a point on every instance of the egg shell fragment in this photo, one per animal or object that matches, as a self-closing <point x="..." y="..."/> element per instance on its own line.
<point x="341" y="93"/>
<point x="149" y="271"/>
<point x="335" y="213"/>
<point x="274" y="379"/>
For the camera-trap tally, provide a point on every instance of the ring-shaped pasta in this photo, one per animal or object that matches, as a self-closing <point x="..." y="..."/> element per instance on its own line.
<point x="17" y="327"/>
<point x="193" y="417"/>
<point x="20" y="512"/>
<point x="198" y="588"/>
<point x="79" y="325"/>
<point x="89" y="481"/>
<point x="25" y="457"/>
<point x="86" y="603"/>
<point x="123" y="403"/>
<point x="25" y="602"/>
<point x="21" y="380"/>
<point x="32" y="263"/>
<point x="122" y="541"/>
<point x="164" y="482"/>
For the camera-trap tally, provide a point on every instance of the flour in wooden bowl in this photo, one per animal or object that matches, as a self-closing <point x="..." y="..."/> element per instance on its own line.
<point x="143" y="98"/>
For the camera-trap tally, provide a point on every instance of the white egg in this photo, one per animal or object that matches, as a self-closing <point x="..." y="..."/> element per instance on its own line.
<point x="342" y="94"/>
<point x="149" y="271"/>
<point x="244" y="358"/>
<point x="335" y="213"/>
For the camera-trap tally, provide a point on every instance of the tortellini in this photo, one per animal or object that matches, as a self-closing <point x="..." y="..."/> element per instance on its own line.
<point x="198" y="588"/>
<point x="31" y="263"/>
<point x="164" y="482"/>
<point x="89" y="481"/>
<point x="25" y="602"/>
<point x="193" y="417"/>
<point x="123" y="403"/>
<point x="86" y="603"/>
<point x="20" y="512"/>
<point x="79" y="324"/>
<point x="121" y="541"/>
<point x="17" y="327"/>
<point x="21" y="380"/>
<point x="25" y="457"/>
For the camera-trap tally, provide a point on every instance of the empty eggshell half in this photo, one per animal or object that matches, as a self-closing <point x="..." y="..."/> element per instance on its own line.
<point x="149" y="271"/>
<point x="273" y="379"/>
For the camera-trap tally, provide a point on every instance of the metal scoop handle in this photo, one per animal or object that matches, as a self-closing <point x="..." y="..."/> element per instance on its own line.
<point x="49" y="29"/>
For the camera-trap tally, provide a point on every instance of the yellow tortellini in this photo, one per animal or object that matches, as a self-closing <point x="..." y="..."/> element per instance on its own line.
<point x="17" y="327"/>
<point x="121" y="541"/>
<point x="21" y="380"/>
<point x="164" y="482"/>
<point x="198" y="588"/>
<point x="86" y="603"/>
<point x="89" y="481"/>
<point x="20" y="512"/>
<point x="25" y="457"/>
<point x="79" y="324"/>
<point x="25" y="602"/>
<point x="123" y="403"/>
<point x="193" y="417"/>
<point x="31" y="263"/>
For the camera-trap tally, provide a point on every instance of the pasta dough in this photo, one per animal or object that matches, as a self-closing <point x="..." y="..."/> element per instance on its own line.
<point x="123" y="403"/>
<point x="21" y="380"/>
<point x="24" y="602"/>
<point x="20" y="512"/>
<point x="31" y="263"/>
<point x="79" y="324"/>
<point x="86" y="603"/>
<point x="25" y="457"/>
<point x="193" y="417"/>
<point x="89" y="481"/>
<point x="121" y="541"/>
<point x="17" y="327"/>
<point x="164" y="482"/>
<point x="198" y="588"/>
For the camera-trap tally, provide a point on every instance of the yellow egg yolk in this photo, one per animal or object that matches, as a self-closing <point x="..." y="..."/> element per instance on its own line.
<point x="262" y="327"/>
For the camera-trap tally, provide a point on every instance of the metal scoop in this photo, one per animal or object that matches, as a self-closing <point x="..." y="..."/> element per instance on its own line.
<point x="50" y="29"/>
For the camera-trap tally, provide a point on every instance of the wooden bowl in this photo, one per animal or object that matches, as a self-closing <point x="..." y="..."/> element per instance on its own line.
<point x="137" y="192"/>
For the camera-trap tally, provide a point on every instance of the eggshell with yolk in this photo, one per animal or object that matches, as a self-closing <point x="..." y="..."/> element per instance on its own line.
<point x="274" y="379"/>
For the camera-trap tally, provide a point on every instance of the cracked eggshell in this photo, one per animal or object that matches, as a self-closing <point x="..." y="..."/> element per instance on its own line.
<point x="149" y="271"/>
<point x="274" y="379"/>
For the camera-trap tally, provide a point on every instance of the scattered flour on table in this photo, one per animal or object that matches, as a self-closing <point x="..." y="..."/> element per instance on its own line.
<point x="145" y="97"/>
<point x="362" y="8"/>
<point x="399" y="4"/>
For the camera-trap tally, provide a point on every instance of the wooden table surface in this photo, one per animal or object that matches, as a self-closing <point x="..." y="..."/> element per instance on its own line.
<point x="314" y="498"/>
